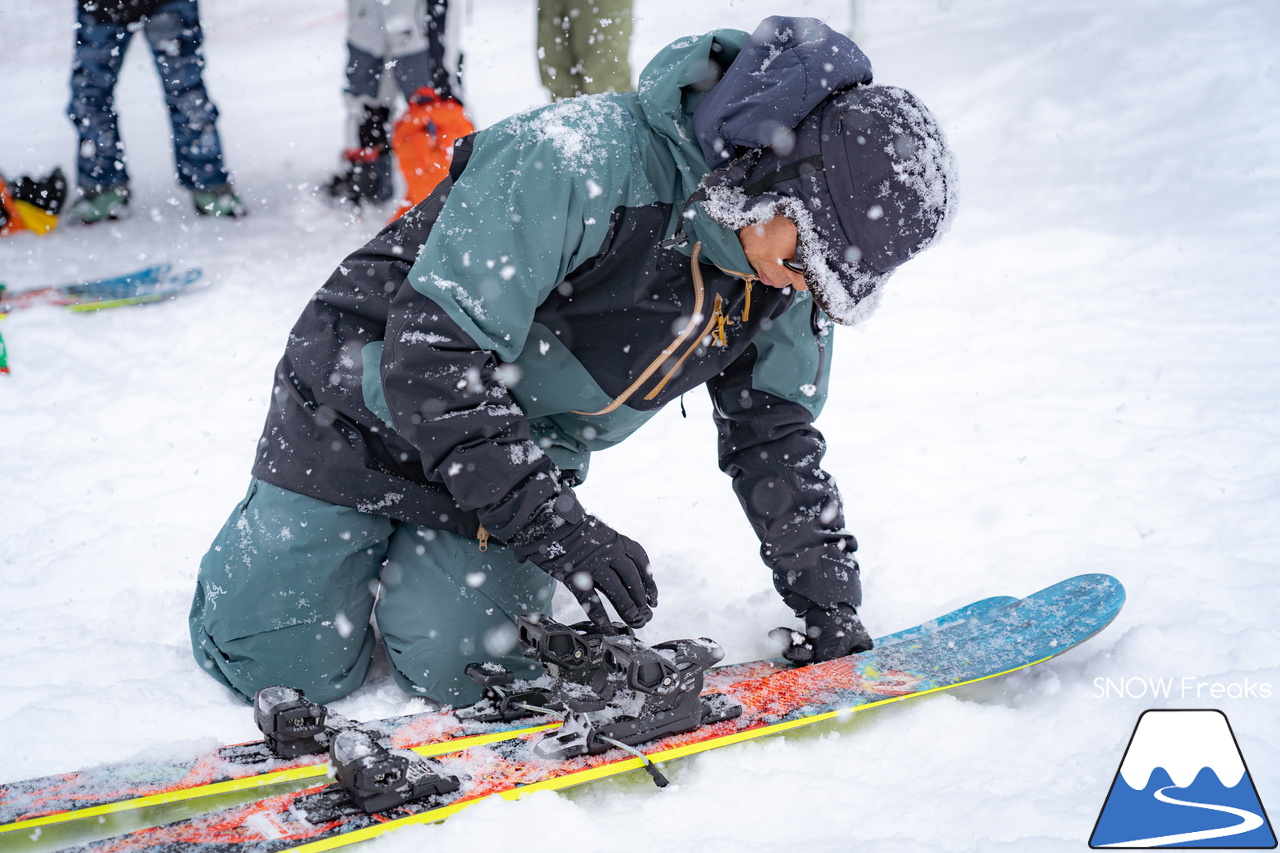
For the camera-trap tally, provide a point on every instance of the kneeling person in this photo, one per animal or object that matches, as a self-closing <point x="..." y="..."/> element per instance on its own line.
<point x="583" y="265"/>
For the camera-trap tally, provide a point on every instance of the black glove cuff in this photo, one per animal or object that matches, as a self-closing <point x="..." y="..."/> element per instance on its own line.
<point x="552" y="517"/>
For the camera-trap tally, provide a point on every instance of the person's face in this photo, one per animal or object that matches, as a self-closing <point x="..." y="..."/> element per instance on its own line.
<point x="767" y="245"/>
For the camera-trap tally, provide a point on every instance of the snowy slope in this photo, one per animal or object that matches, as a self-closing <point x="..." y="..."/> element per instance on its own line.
<point x="1082" y="376"/>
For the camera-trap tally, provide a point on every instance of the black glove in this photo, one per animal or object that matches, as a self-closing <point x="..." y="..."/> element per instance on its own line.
<point x="830" y="633"/>
<point x="589" y="556"/>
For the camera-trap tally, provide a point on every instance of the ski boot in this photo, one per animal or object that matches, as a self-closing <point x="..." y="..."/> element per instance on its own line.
<point x="96" y="206"/>
<point x="367" y="178"/>
<point x="220" y="200"/>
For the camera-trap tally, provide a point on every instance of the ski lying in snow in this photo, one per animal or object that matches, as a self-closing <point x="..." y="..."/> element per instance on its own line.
<point x="149" y="284"/>
<point x="642" y="693"/>
<point x="141" y="793"/>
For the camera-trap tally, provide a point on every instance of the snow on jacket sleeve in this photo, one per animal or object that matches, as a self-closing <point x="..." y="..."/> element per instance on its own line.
<point x="532" y="204"/>
<point x="765" y="405"/>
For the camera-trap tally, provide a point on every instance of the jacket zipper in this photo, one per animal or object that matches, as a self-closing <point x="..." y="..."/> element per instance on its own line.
<point x="699" y="294"/>
<point x="714" y="328"/>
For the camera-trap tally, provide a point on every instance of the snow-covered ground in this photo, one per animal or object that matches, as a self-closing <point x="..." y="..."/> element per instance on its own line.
<point x="1083" y="376"/>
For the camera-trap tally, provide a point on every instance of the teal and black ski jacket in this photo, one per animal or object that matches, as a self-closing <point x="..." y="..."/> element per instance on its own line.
<point x="458" y="370"/>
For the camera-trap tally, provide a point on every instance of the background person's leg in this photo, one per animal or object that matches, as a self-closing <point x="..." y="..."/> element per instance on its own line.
<point x="101" y="175"/>
<point x="177" y="40"/>
<point x="600" y="40"/>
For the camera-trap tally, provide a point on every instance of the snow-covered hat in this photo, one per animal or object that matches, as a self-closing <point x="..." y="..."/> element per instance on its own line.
<point x="867" y="178"/>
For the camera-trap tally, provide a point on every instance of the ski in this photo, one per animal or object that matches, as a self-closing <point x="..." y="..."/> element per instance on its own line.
<point x="149" y="284"/>
<point x="378" y="791"/>
<point x="139" y="794"/>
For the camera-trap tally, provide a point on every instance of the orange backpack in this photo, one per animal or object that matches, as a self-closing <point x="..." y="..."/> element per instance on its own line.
<point x="423" y="142"/>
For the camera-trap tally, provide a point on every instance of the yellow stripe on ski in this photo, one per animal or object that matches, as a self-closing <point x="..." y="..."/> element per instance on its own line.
<point x="262" y="780"/>
<point x="116" y="303"/>
<point x="444" y="747"/>
<point x="617" y="767"/>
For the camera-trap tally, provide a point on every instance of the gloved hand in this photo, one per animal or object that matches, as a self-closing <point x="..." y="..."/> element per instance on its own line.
<point x="589" y="556"/>
<point x="830" y="633"/>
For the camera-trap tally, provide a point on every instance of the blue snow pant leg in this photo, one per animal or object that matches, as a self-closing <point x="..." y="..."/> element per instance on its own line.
<point x="95" y="67"/>
<point x="175" y="37"/>
<point x="177" y="41"/>
<point x="286" y="594"/>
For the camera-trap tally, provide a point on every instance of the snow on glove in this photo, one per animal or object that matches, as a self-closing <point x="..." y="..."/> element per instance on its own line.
<point x="830" y="633"/>
<point x="590" y="557"/>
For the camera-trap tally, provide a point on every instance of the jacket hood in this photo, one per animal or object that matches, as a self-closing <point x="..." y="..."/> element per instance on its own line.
<point x="789" y="123"/>
<point x="672" y="86"/>
<point x="787" y="68"/>
<point x="712" y="96"/>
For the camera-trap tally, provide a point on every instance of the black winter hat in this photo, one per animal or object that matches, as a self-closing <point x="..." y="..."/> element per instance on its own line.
<point x="867" y="178"/>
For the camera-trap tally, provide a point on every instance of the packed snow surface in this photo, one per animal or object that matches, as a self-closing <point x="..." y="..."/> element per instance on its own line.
<point x="1082" y="376"/>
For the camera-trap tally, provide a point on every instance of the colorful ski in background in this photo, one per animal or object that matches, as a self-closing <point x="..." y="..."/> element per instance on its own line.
<point x="149" y="284"/>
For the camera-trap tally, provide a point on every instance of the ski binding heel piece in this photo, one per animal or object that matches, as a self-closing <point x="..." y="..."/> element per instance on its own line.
<point x="504" y="698"/>
<point x="377" y="779"/>
<point x="571" y="654"/>
<point x="291" y="724"/>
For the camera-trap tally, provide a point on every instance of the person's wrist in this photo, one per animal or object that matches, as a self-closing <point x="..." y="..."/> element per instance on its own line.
<point x="554" y="519"/>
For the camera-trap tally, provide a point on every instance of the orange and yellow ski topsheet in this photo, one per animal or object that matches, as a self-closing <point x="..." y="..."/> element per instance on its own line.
<point x="113" y="790"/>
<point x="1008" y="638"/>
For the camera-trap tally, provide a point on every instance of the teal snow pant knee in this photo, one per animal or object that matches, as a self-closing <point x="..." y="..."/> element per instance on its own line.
<point x="290" y="590"/>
